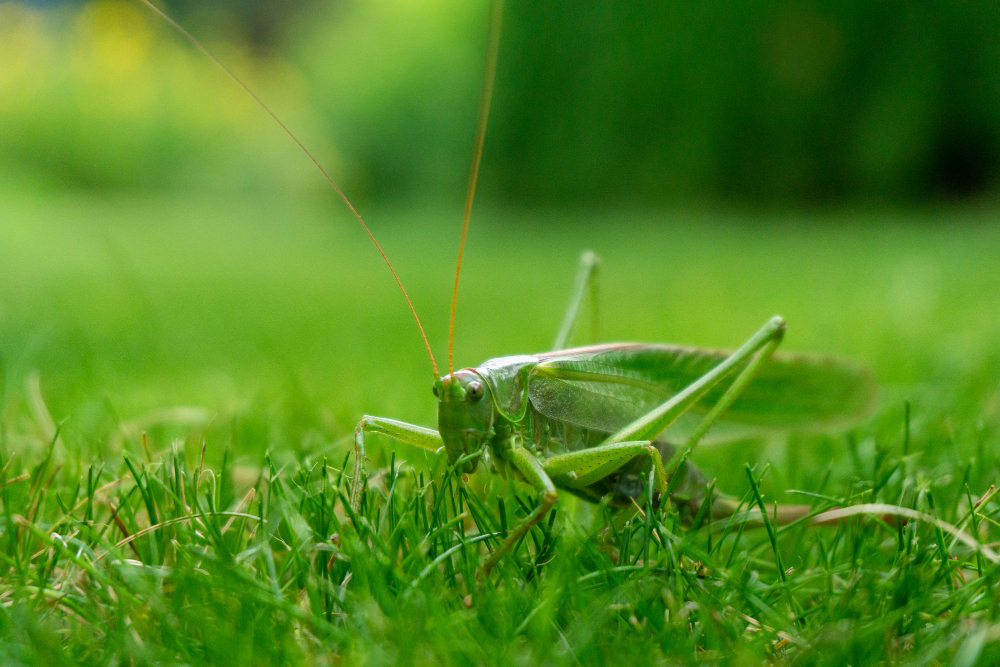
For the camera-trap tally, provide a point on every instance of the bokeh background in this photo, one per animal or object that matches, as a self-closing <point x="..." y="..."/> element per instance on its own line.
<point x="162" y="243"/>
<point x="659" y="103"/>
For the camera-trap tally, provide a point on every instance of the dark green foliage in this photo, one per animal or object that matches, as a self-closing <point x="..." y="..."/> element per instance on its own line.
<point x="755" y="101"/>
<point x="769" y="102"/>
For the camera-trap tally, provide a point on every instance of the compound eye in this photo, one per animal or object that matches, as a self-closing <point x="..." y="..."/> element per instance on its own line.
<point x="435" y="389"/>
<point x="475" y="391"/>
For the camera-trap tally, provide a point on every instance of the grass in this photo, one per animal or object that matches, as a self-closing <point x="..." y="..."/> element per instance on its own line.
<point x="181" y="378"/>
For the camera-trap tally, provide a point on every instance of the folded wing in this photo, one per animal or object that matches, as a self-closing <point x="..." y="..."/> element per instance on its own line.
<point x="606" y="387"/>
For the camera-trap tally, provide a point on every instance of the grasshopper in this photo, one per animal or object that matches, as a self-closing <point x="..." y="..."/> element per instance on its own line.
<point x="611" y="421"/>
<point x="599" y="421"/>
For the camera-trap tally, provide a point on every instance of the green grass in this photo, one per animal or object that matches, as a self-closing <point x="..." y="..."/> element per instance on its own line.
<point x="278" y="321"/>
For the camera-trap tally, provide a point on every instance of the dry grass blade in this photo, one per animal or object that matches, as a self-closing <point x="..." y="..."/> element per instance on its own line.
<point x="907" y="513"/>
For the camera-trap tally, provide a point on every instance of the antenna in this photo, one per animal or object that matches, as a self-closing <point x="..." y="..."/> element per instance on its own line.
<point x="489" y="72"/>
<point x="201" y="47"/>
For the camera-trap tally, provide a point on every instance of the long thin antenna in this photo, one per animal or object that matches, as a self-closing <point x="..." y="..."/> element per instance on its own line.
<point x="201" y="47"/>
<point x="489" y="73"/>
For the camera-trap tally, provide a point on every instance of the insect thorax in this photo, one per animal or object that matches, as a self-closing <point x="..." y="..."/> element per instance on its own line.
<point x="547" y="436"/>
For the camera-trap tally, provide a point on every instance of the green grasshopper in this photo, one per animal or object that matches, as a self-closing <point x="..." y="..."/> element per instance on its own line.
<point x="602" y="422"/>
<point x="598" y="421"/>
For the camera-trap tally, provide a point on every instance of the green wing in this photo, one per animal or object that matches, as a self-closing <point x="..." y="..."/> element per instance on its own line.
<point x="608" y="386"/>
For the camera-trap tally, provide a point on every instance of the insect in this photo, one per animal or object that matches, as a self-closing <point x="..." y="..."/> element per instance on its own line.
<point x="605" y="421"/>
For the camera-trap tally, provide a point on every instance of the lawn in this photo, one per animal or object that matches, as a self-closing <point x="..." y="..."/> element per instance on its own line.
<point x="259" y="330"/>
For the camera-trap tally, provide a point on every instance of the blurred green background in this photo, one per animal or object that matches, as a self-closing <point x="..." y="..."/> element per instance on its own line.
<point x="163" y="243"/>
<point x="766" y="102"/>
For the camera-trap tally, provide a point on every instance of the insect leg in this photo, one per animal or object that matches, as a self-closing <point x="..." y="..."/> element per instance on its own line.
<point x="732" y="393"/>
<point x="584" y="467"/>
<point x="586" y="277"/>
<point x="654" y="422"/>
<point x="534" y="474"/>
<point x="411" y="434"/>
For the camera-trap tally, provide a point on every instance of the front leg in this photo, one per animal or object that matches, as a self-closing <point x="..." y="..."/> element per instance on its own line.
<point x="411" y="434"/>
<point x="533" y="473"/>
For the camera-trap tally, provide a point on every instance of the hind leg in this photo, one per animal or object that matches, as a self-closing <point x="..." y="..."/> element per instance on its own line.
<point x="586" y="279"/>
<point x="750" y="357"/>
<point x="580" y="469"/>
